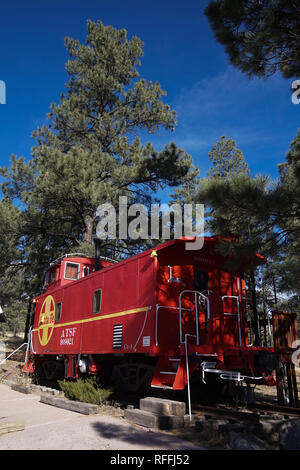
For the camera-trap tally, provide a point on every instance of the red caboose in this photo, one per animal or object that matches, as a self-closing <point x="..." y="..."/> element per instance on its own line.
<point x="155" y="318"/>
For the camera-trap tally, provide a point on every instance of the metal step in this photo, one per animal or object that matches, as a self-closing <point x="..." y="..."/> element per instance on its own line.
<point x="162" y="386"/>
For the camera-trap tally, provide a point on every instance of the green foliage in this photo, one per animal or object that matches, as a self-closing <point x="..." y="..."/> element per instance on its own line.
<point x="91" y="151"/>
<point x="259" y="215"/>
<point x="231" y="195"/>
<point x="260" y="37"/>
<point x="11" y="249"/>
<point x="85" y="390"/>
<point x="15" y="311"/>
<point x="227" y="160"/>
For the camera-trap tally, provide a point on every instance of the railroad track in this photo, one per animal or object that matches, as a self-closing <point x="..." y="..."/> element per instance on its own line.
<point x="267" y="408"/>
<point x="226" y="412"/>
<point x="250" y="414"/>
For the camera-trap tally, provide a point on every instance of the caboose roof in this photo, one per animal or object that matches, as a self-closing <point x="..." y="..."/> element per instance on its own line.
<point x="210" y="244"/>
<point x="166" y="248"/>
<point x="211" y="241"/>
<point x="209" y="248"/>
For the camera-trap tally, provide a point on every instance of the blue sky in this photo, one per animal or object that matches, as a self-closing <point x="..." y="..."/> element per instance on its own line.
<point x="210" y="97"/>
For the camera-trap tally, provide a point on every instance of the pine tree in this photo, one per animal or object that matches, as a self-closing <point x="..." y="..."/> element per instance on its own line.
<point x="12" y="263"/>
<point x="91" y="150"/>
<point x="226" y="159"/>
<point x="11" y="249"/>
<point x="260" y="37"/>
<point x="231" y="195"/>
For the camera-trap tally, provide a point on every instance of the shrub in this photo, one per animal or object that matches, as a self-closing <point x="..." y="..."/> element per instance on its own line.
<point x="85" y="390"/>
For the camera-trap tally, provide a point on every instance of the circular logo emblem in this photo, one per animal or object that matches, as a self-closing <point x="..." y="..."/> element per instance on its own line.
<point x="46" y="320"/>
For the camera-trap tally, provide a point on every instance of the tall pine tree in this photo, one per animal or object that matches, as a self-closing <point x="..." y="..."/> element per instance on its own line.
<point x="92" y="149"/>
<point x="260" y="37"/>
<point x="230" y="195"/>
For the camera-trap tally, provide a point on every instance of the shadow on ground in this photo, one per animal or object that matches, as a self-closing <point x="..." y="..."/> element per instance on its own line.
<point x="144" y="438"/>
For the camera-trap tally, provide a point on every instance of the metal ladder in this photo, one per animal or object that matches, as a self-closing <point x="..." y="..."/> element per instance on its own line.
<point x="198" y="295"/>
<point x="205" y="299"/>
<point x="234" y="314"/>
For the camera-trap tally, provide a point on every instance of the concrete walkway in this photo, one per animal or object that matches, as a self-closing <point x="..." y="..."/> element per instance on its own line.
<point x="51" y="428"/>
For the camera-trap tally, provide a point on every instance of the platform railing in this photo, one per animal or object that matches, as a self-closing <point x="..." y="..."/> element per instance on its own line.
<point x="11" y="354"/>
<point x="207" y="303"/>
<point x="156" y="317"/>
<point x="234" y="314"/>
<point x="188" y="372"/>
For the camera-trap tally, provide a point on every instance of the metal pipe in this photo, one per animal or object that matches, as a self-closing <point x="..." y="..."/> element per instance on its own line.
<point x="188" y="374"/>
<point x="196" y="311"/>
<point x="196" y="319"/>
<point x="2" y="362"/>
<point x="156" y="318"/>
<point x="97" y="253"/>
<point x="235" y="314"/>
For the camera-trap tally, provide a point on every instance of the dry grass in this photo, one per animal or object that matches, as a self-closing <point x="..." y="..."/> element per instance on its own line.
<point x="11" y="369"/>
<point x="11" y="343"/>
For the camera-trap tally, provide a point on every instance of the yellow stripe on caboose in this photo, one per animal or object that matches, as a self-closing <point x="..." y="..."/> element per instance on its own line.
<point x="98" y="317"/>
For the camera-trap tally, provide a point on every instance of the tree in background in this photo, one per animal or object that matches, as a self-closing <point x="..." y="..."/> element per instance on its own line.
<point x="259" y="215"/>
<point x="11" y="245"/>
<point x="226" y="159"/>
<point x="14" y="300"/>
<point x="260" y="37"/>
<point x="91" y="151"/>
<point x="12" y="262"/>
<point x="285" y="206"/>
<point x="231" y="194"/>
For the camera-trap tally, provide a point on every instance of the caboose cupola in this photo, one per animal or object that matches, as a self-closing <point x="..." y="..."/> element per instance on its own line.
<point x="72" y="267"/>
<point x="68" y="268"/>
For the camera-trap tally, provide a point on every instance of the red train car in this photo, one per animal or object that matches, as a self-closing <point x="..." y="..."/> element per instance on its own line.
<point x="157" y="318"/>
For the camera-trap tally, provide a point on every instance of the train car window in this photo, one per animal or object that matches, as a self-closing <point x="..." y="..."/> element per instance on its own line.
<point x="58" y="311"/>
<point x="200" y="280"/>
<point x="85" y="271"/>
<point x="72" y="271"/>
<point x="97" y="301"/>
<point x="52" y="275"/>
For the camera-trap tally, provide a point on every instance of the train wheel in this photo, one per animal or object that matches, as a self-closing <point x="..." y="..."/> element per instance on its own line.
<point x="132" y="377"/>
<point x="50" y="371"/>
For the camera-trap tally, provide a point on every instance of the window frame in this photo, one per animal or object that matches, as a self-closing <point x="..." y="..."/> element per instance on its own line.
<point x="78" y="271"/>
<point x="56" y="305"/>
<point x="85" y="271"/>
<point x="100" y="301"/>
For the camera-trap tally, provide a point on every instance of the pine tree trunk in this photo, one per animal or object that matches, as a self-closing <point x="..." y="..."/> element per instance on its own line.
<point x="254" y="308"/>
<point x="88" y="229"/>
